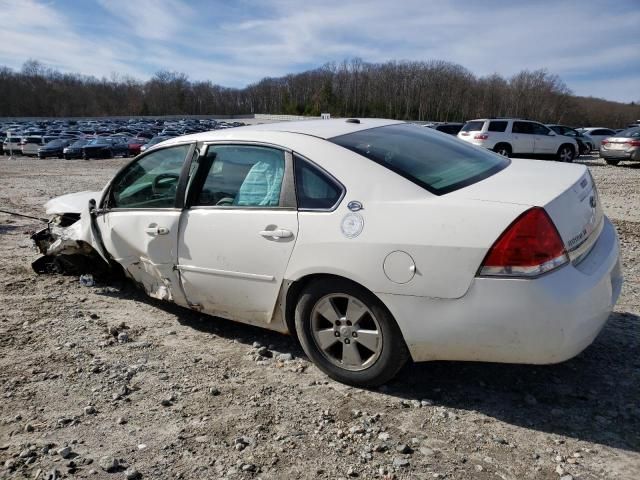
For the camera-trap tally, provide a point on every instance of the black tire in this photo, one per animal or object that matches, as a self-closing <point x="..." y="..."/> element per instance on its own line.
<point x="392" y="356"/>
<point x="503" y="149"/>
<point x="566" y="153"/>
<point x="611" y="161"/>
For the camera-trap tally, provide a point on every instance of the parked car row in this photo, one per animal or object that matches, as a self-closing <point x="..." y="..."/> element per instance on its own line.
<point x="96" y="139"/>
<point x="520" y="137"/>
<point x="624" y="145"/>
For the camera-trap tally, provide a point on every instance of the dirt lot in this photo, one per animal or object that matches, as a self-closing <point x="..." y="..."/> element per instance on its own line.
<point x="189" y="397"/>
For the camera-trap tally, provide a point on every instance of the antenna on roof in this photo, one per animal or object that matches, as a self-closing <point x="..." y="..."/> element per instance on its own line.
<point x="352" y="120"/>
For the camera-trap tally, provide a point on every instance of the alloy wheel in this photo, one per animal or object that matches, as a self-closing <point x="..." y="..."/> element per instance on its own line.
<point x="346" y="332"/>
<point x="566" y="154"/>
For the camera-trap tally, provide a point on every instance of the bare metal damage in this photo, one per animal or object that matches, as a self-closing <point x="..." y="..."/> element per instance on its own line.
<point x="155" y="280"/>
<point x="68" y="244"/>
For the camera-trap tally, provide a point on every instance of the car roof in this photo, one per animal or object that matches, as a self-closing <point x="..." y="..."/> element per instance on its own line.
<point x="317" y="128"/>
<point x="505" y="119"/>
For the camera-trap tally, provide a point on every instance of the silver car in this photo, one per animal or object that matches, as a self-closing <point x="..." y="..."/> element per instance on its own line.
<point x="622" y="146"/>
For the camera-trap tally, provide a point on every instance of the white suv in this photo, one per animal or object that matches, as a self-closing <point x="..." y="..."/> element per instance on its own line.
<point x="513" y="136"/>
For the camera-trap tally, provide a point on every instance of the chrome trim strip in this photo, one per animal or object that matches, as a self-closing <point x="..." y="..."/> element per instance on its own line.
<point x="226" y="273"/>
<point x="577" y="253"/>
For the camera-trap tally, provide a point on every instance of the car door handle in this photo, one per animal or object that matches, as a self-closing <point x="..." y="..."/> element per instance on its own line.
<point x="156" y="230"/>
<point x="278" y="233"/>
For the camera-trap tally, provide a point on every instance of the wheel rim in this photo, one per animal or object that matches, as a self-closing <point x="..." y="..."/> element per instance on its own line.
<point x="346" y="332"/>
<point x="503" y="151"/>
<point x="566" y="155"/>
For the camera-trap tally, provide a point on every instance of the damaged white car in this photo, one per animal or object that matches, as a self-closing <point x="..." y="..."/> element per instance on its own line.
<point x="373" y="241"/>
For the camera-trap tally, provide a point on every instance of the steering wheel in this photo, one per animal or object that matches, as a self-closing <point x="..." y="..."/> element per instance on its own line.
<point x="157" y="188"/>
<point x="226" y="201"/>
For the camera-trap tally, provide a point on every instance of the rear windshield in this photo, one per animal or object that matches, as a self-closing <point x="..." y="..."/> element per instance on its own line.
<point x="472" y="126"/>
<point x="436" y="162"/>
<point x="629" y="133"/>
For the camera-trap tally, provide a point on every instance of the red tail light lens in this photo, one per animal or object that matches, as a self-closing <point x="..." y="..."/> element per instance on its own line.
<point x="604" y="142"/>
<point x="481" y="136"/>
<point x="634" y="143"/>
<point x="529" y="247"/>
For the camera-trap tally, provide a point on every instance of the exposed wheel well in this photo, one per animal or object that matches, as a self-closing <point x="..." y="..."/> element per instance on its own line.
<point x="297" y="287"/>
<point x="503" y="144"/>
<point x="571" y="146"/>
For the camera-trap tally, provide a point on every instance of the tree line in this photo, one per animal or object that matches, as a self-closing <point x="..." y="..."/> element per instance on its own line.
<point x="430" y="90"/>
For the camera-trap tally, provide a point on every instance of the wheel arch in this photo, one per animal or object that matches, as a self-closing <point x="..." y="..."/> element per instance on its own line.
<point x="567" y="144"/>
<point x="506" y="144"/>
<point x="294" y="288"/>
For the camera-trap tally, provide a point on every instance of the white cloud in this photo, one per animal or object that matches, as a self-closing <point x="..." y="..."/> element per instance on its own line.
<point x="241" y="43"/>
<point x="40" y="32"/>
<point x="151" y="19"/>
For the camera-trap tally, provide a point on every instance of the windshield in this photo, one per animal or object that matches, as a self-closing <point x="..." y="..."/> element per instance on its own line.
<point x="436" y="162"/>
<point x="157" y="140"/>
<point x="98" y="141"/>
<point x="629" y="133"/>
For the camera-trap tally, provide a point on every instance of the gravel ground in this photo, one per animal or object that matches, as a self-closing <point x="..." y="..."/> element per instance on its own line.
<point x="102" y="382"/>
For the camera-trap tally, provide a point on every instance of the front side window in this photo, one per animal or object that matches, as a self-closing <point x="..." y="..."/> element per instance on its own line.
<point x="539" y="129"/>
<point x="240" y="176"/>
<point x="151" y="181"/>
<point x="314" y="188"/>
<point x="522" y="127"/>
<point x="438" y="163"/>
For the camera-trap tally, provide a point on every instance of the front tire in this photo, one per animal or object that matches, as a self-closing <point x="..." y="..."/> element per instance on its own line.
<point x="566" y="153"/>
<point x="349" y="334"/>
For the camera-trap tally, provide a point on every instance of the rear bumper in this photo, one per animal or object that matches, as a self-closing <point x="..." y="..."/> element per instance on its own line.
<point x="620" y="154"/>
<point x="546" y="320"/>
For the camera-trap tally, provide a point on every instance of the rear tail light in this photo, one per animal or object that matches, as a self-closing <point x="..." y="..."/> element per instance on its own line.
<point x="604" y="142"/>
<point x="481" y="136"/>
<point x="634" y="143"/>
<point x="529" y="247"/>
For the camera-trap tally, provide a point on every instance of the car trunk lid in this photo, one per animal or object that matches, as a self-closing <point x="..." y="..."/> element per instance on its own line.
<point x="565" y="191"/>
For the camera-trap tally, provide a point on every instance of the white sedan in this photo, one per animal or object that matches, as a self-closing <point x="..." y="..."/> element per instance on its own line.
<point x="373" y="241"/>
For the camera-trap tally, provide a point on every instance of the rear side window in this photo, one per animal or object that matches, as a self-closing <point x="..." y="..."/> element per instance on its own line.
<point x="498" y="126"/>
<point x="450" y="129"/>
<point x="472" y="126"/>
<point x="602" y="131"/>
<point x="314" y="188"/>
<point x="438" y="163"/>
